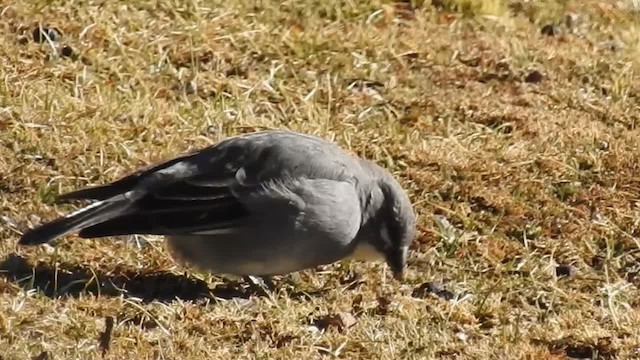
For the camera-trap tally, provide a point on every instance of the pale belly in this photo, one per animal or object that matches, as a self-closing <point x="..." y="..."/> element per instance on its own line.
<point x="366" y="252"/>
<point x="213" y="256"/>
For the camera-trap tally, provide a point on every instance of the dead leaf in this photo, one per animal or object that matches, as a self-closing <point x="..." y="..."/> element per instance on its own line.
<point x="384" y="303"/>
<point x="342" y="321"/>
<point x="356" y="304"/>
<point x="42" y="356"/>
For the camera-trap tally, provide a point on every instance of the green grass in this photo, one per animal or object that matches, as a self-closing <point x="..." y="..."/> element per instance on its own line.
<point x="523" y="177"/>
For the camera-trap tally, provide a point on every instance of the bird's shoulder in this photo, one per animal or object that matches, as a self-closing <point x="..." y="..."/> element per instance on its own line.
<point x="280" y="155"/>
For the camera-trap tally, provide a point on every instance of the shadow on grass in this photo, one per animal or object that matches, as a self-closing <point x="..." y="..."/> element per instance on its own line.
<point x="72" y="280"/>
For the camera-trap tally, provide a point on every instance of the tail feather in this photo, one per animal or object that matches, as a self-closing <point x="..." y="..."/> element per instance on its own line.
<point x="102" y="192"/>
<point x="121" y="186"/>
<point x="91" y="215"/>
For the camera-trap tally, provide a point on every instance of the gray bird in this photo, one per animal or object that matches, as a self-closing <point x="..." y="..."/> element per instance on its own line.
<point x="260" y="204"/>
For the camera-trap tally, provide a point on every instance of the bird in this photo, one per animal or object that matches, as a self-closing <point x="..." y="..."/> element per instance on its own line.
<point x="258" y="204"/>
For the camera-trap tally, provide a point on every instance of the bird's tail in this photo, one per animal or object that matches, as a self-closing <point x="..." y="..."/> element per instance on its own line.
<point x="90" y="215"/>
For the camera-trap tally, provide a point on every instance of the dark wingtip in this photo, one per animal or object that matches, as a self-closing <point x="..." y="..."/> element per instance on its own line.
<point x="33" y="237"/>
<point x="83" y="194"/>
<point x="60" y="200"/>
<point x="46" y="232"/>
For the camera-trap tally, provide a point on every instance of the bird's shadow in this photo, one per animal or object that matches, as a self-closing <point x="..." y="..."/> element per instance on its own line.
<point x="73" y="280"/>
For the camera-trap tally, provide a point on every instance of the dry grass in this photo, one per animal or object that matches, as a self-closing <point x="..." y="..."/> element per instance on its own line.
<point x="513" y="180"/>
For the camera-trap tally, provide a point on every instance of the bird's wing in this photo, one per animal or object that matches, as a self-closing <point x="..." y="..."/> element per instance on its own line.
<point x="204" y="191"/>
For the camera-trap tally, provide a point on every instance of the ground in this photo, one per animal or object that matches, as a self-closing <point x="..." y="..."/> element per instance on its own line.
<point x="512" y="125"/>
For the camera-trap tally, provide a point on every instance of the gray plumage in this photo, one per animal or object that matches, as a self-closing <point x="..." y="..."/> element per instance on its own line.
<point x="259" y="204"/>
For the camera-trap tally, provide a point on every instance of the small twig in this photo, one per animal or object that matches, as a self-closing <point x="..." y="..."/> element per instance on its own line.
<point x="105" y="337"/>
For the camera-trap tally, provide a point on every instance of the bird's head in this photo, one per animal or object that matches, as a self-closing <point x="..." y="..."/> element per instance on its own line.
<point x="391" y="229"/>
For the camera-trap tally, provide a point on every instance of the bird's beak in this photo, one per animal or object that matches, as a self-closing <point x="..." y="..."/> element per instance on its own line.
<point x="397" y="260"/>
